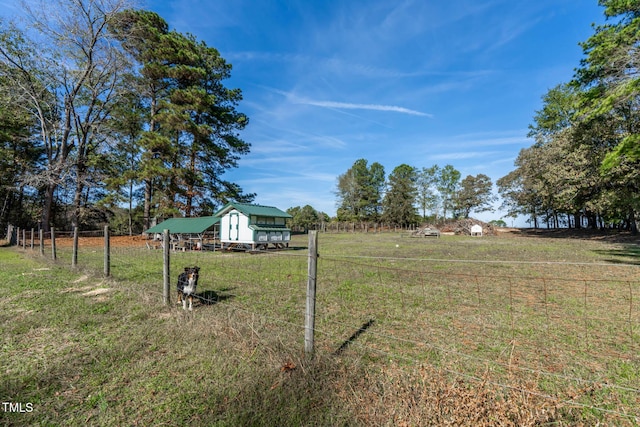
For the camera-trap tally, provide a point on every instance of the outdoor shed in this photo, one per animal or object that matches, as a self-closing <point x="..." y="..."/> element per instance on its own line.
<point x="476" y="230"/>
<point x="187" y="233"/>
<point x="253" y="226"/>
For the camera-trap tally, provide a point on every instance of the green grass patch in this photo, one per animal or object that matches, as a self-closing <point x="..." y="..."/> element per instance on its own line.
<point x="431" y="331"/>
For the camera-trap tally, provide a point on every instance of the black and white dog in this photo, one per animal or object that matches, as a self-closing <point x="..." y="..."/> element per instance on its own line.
<point x="187" y="284"/>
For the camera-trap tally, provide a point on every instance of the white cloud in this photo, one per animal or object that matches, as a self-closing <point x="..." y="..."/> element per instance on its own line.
<point x="375" y="107"/>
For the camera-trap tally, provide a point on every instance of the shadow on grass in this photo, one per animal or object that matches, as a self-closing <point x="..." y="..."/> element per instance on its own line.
<point x="612" y="236"/>
<point x="213" y="297"/>
<point x="629" y="254"/>
<point x="355" y="336"/>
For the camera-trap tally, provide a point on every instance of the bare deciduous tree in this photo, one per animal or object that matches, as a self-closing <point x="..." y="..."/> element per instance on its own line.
<point x="66" y="74"/>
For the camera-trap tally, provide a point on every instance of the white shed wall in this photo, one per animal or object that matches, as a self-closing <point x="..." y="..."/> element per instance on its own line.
<point x="227" y="234"/>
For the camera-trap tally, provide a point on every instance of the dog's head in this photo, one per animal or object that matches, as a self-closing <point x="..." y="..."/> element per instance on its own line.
<point x="192" y="274"/>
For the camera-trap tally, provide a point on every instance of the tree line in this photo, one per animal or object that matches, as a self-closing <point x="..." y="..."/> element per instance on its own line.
<point x="583" y="169"/>
<point x="409" y="195"/>
<point x="102" y="104"/>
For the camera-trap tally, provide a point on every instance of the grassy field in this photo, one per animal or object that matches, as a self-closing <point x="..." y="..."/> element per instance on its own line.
<point x="502" y="330"/>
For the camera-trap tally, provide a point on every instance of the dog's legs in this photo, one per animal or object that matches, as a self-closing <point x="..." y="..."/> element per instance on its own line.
<point x="179" y="297"/>
<point x="190" y="302"/>
<point x="184" y="303"/>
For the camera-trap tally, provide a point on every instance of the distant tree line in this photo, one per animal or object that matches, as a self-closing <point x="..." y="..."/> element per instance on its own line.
<point x="306" y="218"/>
<point x="104" y="107"/>
<point x="584" y="167"/>
<point x="409" y="195"/>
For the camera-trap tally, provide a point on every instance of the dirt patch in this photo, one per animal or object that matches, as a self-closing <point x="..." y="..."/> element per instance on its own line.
<point x="95" y="292"/>
<point x="98" y="291"/>
<point x="81" y="279"/>
<point x="98" y="242"/>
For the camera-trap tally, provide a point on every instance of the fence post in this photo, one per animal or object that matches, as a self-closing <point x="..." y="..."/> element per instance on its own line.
<point x="32" y="238"/>
<point x="41" y="236"/>
<point x="53" y="243"/>
<point x="24" y="239"/>
<point x="74" y="258"/>
<point x="310" y="315"/>
<point x="107" y="252"/>
<point x="166" y="273"/>
<point x="18" y="236"/>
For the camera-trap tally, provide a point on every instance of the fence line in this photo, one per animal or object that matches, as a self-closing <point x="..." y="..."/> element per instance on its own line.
<point x="415" y="302"/>
<point x="556" y="398"/>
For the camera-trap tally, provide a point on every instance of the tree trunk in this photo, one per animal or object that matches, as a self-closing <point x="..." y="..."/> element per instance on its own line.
<point x="77" y="197"/>
<point x="148" y="184"/>
<point x="632" y="222"/>
<point x="47" y="209"/>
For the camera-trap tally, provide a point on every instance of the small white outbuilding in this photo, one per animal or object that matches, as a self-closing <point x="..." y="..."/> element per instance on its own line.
<point x="476" y="230"/>
<point x="253" y="226"/>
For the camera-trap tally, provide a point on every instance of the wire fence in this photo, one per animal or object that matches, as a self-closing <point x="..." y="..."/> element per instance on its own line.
<point x="574" y="333"/>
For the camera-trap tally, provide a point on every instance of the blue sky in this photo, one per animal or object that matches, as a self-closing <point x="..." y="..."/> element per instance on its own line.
<point x="421" y="82"/>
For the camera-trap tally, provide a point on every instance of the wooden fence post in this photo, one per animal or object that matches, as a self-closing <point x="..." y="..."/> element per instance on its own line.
<point x="166" y="273"/>
<point x="41" y="236"/>
<point x="53" y="243"/>
<point x="310" y="315"/>
<point x="32" y="238"/>
<point x="74" y="258"/>
<point x="107" y="252"/>
<point x="24" y="239"/>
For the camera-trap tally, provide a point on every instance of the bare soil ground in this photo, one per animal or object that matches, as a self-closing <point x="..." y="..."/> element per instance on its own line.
<point x="114" y="241"/>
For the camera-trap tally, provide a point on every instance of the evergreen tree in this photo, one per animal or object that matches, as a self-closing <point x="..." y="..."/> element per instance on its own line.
<point x="190" y="136"/>
<point x="400" y="198"/>
<point x="359" y="192"/>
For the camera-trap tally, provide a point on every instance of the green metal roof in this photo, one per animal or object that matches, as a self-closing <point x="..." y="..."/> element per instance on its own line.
<point x="250" y="209"/>
<point x="194" y="225"/>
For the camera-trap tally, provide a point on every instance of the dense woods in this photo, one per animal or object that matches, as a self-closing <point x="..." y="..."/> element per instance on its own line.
<point x="109" y="116"/>
<point x="582" y="170"/>
<point x="104" y="106"/>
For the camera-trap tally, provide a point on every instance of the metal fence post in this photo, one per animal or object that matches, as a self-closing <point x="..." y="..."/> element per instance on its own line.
<point x="310" y="315"/>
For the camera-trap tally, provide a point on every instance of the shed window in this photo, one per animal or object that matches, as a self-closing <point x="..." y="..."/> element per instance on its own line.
<point x="266" y="220"/>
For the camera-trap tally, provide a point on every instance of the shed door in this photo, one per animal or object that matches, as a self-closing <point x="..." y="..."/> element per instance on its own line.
<point x="234" y="221"/>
